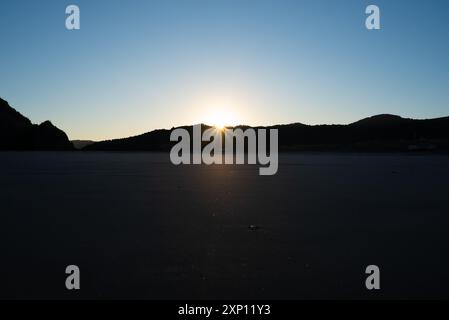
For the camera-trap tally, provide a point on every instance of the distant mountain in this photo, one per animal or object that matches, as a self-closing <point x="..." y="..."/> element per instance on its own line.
<point x="80" y="144"/>
<point x="18" y="133"/>
<point x="157" y="140"/>
<point x="377" y="133"/>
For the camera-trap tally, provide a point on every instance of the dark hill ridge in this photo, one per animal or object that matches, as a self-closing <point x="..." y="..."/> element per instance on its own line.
<point x="377" y="133"/>
<point x="18" y="133"/>
<point x="381" y="119"/>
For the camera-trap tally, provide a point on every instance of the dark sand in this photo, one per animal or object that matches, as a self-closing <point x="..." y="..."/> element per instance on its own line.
<point x="139" y="227"/>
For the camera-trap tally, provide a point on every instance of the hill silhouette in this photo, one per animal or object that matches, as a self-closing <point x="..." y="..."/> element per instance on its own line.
<point x="378" y="133"/>
<point x="18" y="133"/>
<point x="383" y="132"/>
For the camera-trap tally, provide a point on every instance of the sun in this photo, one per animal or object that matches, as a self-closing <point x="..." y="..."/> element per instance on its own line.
<point x="221" y="118"/>
<point x="220" y="125"/>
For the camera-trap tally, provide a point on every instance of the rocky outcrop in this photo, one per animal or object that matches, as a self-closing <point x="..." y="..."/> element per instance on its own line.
<point x="18" y="133"/>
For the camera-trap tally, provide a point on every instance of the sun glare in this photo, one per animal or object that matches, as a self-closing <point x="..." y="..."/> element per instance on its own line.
<point x="221" y="118"/>
<point x="219" y="111"/>
<point x="219" y="125"/>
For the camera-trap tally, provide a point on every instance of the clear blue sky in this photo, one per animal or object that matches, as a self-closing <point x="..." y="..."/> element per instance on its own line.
<point x="140" y="65"/>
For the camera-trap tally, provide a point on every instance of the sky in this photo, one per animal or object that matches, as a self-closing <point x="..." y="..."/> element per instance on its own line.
<point x="140" y="65"/>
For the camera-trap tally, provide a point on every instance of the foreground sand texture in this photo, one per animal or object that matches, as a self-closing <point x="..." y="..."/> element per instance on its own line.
<point x="139" y="227"/>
